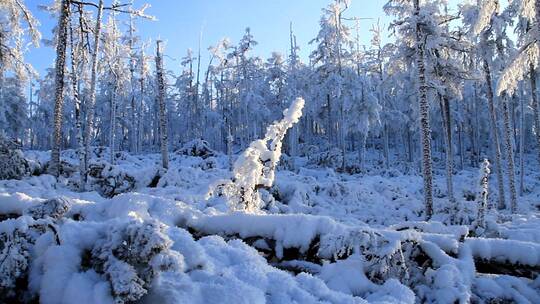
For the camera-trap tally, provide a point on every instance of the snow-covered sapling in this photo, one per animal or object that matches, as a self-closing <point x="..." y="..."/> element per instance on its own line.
<point x="255" y="168"/>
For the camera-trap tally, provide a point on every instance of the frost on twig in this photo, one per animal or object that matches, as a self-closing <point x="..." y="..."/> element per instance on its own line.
<point x="255" y="168"/>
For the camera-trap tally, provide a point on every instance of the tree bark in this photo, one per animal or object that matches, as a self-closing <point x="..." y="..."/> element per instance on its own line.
<point x="92" y="100"/>
<point x="161" y="104"/>
<point x="449" y="155"/>
<point x="509" y="156"/>
<point x="425" y="130"/>
<point x="496" y="143"/>
<point x="78" y="105"/>
<point x="59" y="86"/>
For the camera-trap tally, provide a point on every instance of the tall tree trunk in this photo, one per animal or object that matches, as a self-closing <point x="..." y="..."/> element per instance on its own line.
<point x="536" y="110"/>
<point x="78" y="105"/>
<point x="509" y="155"/>
<point x="132" y="121"/>
<point x="449" y="155"/>
<point x="496" y="143"/>
<point x="161" y="105"/>
<point x="92" y="100"/>
<point x="112" y="131"/>
<point x="59" y="86"/>
<point x="425" y="129"/>
<point x="521" y="145"/>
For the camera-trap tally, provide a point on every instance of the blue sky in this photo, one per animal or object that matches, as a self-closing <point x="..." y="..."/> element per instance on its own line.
<point x="180" y="22"/>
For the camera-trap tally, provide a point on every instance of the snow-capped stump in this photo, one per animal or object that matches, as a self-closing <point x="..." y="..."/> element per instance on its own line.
<point x="12" y="163"/>
<point x="109" y="180"/>
<point x="54" y="208"/>
<point x="197" y="147"/>
<point x="132" y="255"/>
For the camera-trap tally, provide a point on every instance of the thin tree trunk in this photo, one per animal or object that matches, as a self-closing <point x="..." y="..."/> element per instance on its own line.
<point x="449" y="155"/>
<point x="495" y="133"/>
<point x="92" y="100"/>
<point x="425" y="129"/>
<point x="59" y="86"/>
<point x="161" y="104"/>
<point x="77" y="100"/>
<point x="132" y="122"/>
<point x="112" y="133"/>
<point x="536" y="110"/>
<point x="484" y="191"/>
<point x="509" y="156"/>
<point x="521" y="145"/>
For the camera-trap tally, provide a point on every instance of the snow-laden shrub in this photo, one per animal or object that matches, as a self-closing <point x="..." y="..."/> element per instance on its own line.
<point x="14" y="256"/>
<point x="131" y="256"/>
<point x="197" y="147"/>
<point x="109" y="180"/>
<point x="66" y="169"/>
<point x="384" y="257"/>
<point x="17" y="237"/>
<point x="332" y="158"/>
<point x="255" y="168"/>
<point x="12" y="163"/>
<point x="54" y="208"/>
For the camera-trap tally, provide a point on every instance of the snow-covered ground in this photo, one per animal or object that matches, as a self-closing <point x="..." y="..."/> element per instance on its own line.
<point x="323" y="237"/>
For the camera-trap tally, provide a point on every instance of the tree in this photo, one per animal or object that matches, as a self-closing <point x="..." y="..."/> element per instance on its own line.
<point x="416" y="22"/>
<point x="62" y="34"/>
<point x="14" y="15"/>
<point x="161" y="103"/>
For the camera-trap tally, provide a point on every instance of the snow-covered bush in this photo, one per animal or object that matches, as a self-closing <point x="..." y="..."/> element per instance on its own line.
<point x="17" y="237"/>
<point x="332" y="158"/>
<point x="15" y="247"/>
<point x="54" y="208"/>
<point x="255" y="168"/>
<point x="131" y="256"/>
<point x="109" y="180"/>
<point x="197" y="147"/>
<point x="66" y="169"/>
<point x="12" y="163"/>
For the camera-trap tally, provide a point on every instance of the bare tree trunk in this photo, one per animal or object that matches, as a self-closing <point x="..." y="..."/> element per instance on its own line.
<point x="161" y="104"/>
<point x="484" y="191"/>
<point x="509" y="156"/>
<point x="59" y="86"/>
<point x="132" y="122"/>
<point x="449" y="155"/>
<point x="78" y="106"/>
<point x="425" y="129"/>
<point x="229" y="148"/>
<point x="536" y="110"/>
<point x="92" y="101"/>
<point x="496" y="143"/>
<point x="521" y="145"/>
<point x="112" y="131"/>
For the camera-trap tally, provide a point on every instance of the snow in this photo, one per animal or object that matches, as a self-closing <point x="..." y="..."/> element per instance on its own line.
<point x="361" y="225"/>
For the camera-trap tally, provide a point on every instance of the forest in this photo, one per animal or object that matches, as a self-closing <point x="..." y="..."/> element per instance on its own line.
<point x="403" y="170"/>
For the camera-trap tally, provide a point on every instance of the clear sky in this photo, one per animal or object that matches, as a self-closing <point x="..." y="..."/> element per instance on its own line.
<point x="180" y="22"/>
